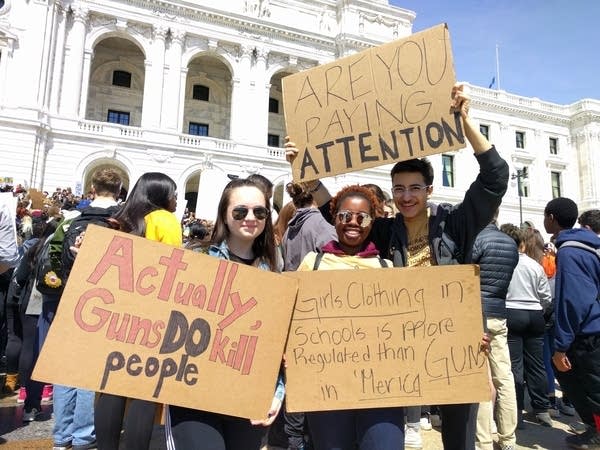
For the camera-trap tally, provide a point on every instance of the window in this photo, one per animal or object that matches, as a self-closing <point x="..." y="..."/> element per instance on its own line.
<point x="200" y="92"/>
<point x="553" y="144"/>
<point x="273" y="105"/>
<point x="555" y="179"/>
<point x="121" y="78"/>
<point x="485" y="130"/>
<point x="198" y="129"/>
<point x="448" y="170"/>
<point x="273" y="140"/>
<point x="120" y="117"/>
<point x="520" y="139"/>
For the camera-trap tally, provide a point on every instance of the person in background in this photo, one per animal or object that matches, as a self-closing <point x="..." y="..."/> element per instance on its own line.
<point x="243" y="233"/>
<point x="307" y="231"/>
<point x="9" y="253"/>
<point x="74" y="407"/>
<point x="424" y="234"/>
<point x="497" y="256"/>
<point x="590" y="219"/>
<point x="527" y="298"/>
<point x="148" y="212"/>
<point x="577" y="317"/>
<point x="354" y="208"/>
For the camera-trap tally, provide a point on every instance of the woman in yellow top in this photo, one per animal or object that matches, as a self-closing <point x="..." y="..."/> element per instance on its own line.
<point x="353" y="209"/>
<point x="148" y="212"/>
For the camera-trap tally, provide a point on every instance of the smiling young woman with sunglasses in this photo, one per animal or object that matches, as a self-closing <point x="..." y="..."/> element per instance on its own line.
<point x="243" y="233"/>
<point x="365" y="429"/>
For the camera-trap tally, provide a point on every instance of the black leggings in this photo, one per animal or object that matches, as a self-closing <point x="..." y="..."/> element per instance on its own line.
<point x="27" y="360"/>
<point x="15" y="336"/>
<point x="193" y="429"/>
<point x="108" y="420"/>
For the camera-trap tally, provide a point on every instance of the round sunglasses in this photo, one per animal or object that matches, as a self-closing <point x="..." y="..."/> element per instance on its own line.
<point x="240" y="212"/>
<point x="363" y="219"/>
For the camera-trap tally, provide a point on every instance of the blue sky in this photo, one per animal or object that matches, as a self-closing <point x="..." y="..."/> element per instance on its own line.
<point x="548" y="49"/>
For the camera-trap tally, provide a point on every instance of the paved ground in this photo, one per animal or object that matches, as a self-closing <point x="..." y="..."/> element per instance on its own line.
<point x="14" y="434"/>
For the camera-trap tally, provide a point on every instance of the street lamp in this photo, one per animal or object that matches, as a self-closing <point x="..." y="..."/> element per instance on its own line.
<point x="520" y="176"/>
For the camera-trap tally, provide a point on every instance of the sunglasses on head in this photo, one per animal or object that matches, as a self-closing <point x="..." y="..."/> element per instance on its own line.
<point x="363" y="219"/>
<point x="240" y="212"/>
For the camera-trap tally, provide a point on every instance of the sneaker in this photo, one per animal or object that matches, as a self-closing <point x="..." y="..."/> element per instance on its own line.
<point x="47" y="393"/>
<point x="22" y="395"/>
<point x="578" y="427"/>
<point x="425" y="423"/>
<point x="90" y="446"/>
<point x="507" y="447"/>
<point x="544" y="419"/>
<point x="554" y="411"/>
<point x="566" y="408"/>
<point x="30" y="416"/>
<point x="412" y="438"/>
<point x="590" y="440"/>
<point x="62" y="446"/>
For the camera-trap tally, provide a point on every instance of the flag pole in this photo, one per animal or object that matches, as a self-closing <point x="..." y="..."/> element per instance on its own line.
<point x="497" y="69"/>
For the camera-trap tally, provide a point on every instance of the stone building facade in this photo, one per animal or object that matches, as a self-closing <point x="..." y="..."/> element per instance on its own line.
<point x="194" y="90"/>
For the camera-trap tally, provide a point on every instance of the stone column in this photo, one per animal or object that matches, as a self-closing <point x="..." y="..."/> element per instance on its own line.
<point x="261" y="98"/>
<point x="6" y="54"/>
<point x="172" y="87"/>
<point x="73" y="69"/>
<point x="85" y="82"/>
<point x="239" y="129"/>
<point x="153" y="85"/>
<point x="59" y="54"/>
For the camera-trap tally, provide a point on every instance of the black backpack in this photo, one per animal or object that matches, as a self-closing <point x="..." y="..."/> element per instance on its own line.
<point x="90" y="215"/>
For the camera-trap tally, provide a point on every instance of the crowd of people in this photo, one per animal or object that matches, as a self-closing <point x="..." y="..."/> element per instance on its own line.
<point x="540" y="301"/>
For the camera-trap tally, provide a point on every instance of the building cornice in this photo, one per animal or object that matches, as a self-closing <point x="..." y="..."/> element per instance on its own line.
<point x="185" y="15"/>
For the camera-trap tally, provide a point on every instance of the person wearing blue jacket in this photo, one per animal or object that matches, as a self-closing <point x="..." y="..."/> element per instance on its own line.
<point x="577" y="317"/>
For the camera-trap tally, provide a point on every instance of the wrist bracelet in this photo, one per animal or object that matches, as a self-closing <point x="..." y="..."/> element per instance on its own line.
<point x="316" y="188"/>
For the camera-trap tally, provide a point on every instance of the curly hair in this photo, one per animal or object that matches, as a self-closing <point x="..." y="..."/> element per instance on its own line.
<point x="355" y="190"/>
<point x="514" y="232"/>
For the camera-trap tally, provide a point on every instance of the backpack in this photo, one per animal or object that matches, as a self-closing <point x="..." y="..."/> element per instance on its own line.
<point x="90" y="215"/>
<point x="320" y="254"/>
<point x="56" y="260"/>
<point x="581" y="245"/>
<point x="48" y="269"/>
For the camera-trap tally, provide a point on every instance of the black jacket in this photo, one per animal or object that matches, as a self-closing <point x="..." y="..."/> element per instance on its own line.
<point x="497" y="255"/>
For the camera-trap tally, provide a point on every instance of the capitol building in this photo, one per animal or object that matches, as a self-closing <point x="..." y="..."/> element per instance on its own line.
<point x="194" y="89"/>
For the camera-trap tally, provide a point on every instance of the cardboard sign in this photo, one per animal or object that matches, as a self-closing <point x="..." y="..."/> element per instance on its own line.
<point x="150" y="321"/>
<point x="386" y="104"/>
<point x="37" y="198"/>
<point x="386" y="337"/>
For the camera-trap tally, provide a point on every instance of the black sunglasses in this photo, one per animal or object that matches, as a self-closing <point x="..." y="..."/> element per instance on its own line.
<point x="363" y="219"/>
<point x="240" y="212"/>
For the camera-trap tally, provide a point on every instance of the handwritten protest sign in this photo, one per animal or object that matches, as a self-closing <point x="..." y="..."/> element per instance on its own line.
<point x="147" y="320"/>
<point x="386" y="337"/>
<point x="37" y="198"/>
<point x="385" y="104"/>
